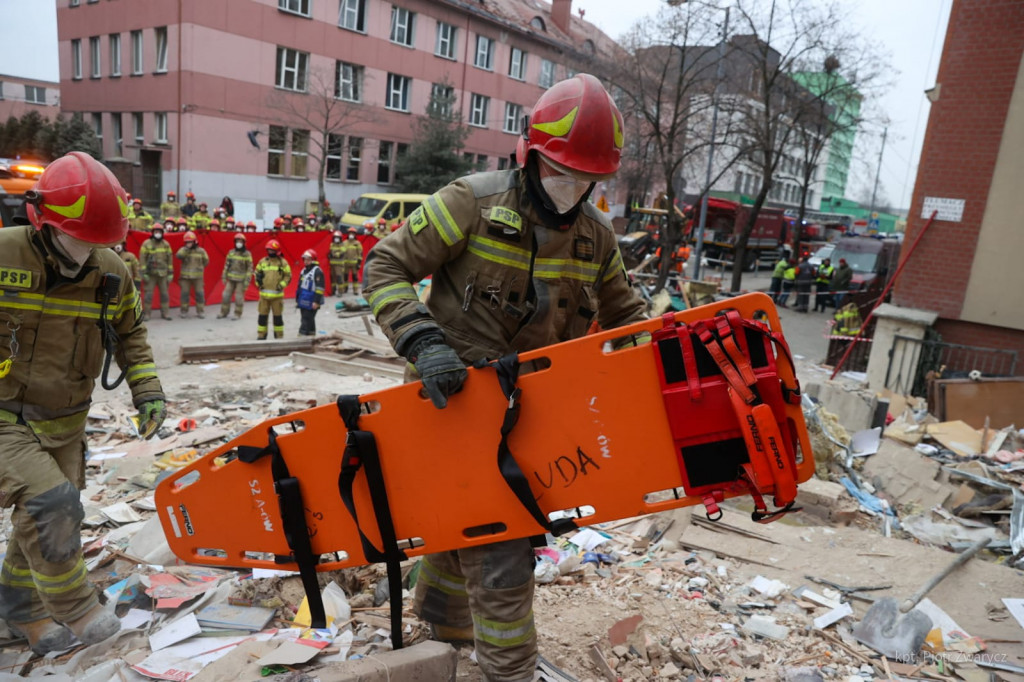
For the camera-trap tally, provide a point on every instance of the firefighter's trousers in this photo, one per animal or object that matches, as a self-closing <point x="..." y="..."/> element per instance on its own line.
<point x="236" y="289"/>
<point x="158" y="283"/>
<point x="43" y="572"/>
<point x="268" y="305"/>
<point x="337" y="277"/>
<point x="194" y="287"/>
<point x="351" y="272"/>
<point x="491" y="588"/>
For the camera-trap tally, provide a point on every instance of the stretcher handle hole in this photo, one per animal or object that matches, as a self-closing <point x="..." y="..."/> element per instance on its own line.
<point x="664" y="495"/>
<point x="763" y="317"/>
<point x="624" y="343"/>
<point x="496" y="528"/>
<point x="409" y="543"/>
<point x="224" y="459"/>
<point x="371" y="406"/>
<point x="185" y="481"/>
<point x="580" y="512"/>
<point x="297" y="425"/>
<point x="208" y="552"/>
<point x="535" y="365"/>
<point x="259" y="556"/>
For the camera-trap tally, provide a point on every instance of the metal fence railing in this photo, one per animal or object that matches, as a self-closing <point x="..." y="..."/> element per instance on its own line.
<point x="910" y="361"/>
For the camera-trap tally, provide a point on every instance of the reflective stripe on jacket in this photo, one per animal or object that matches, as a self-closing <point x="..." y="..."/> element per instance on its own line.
<point x="352" y="252"/>
<point x="336" y="255"/>
<point x="193" y="262"/>
<point x="237" y="266"/>
<point x="155" y="258"/>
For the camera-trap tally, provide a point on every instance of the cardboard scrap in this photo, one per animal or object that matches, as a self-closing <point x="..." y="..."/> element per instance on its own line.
<point x="957" y="436"/>
<point x="230" y="617"/>
<point x="171" y="591"/>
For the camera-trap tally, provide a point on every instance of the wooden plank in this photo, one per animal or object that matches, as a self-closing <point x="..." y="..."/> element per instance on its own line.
<point x="228" y="351"/>
<point x="338" y="365"/>
<point x="379" y="346"/>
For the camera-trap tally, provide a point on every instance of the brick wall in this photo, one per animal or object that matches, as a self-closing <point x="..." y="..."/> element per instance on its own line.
<point x="980" y="60"/>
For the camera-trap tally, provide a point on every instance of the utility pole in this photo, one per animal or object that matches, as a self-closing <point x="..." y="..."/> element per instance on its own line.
<point x="711" y="152"/>
<point x="878" y="172"/>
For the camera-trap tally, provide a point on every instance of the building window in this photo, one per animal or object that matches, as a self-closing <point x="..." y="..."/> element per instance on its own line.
<point x="116" y="133"/>
<point x="401" y="26"/>
<point x="517" y="64"/>
<point x="445" y="46"/>
<point x="291" y="69"/>
<point x="138" y="129"/>
<point x="513" y="113"/>
<point x="1" y="91"/>
<point x="73" y="3"/>
<point x="161" y="49"/>
<point x="300" y="153"/>
<point x="275" y="150"/>
<point x="538" y="24"/>
<point x="384" y="163"/>
<point x="478" y="110"/>
<point x="115" y="54"/>
<point x="352" y="15"/>
<point x="401" y="149"/>
<point x="547" y="73"/>
<point x="588" y="46"/>
<point x="136" y="53"/>
<point x="441" y="98"/>
<point x="349" y="82"/>
<point x="481" y="161"/>
<point x="484" y="53"/>
<point x="294" y="6"/>
<point x="94" y="57"/>
<point x="398" y="92"/>
<point x="161" y="127"/>
<point x="97" y="126"/>
<point x="34" y="94"/>
<point x="355" y="155"/>
<point x="335" y="144"/>
<point x="76" y="59"/>
<point x="502" y="163"/>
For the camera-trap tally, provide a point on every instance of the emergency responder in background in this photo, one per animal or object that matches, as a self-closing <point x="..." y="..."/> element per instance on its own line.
<point x="251" y="227"/>
<point x="236" y="277"/>
<point x="214" y="225"/>
<point x="519" y="261"/>
<point x="138" y="219"/>
<point x="229" y="223"/>
<point x="170" y="208"/>
<point x="351" y="261"/>
<point x="189" y="208"/>
<point x="278" y="224"/>
<point x="326" y="212"/>
<point x="336" y="259"/>
<point x="157" y="268"/>
<point x="297" y="225"/>
<point x="311" y="223"/>
<point x="381" y="229"/>
<point x="201" y="219"/>
<point x="131" y="262"/>
<point x="56" y="351"/>
<point x="194" y="260"/>
<point x="310" y="294"/>
<point x="181" y="224"/>
<point x="788" y="281"/>
<point x="775" y="288"/>
<point x="804" y="280"/>
<point x="842" y="280"/>
<point x="170" y="224"/>
<point x="272" y="276"/>
<point x="822" y="283"/>
<point x="220" y="214"/>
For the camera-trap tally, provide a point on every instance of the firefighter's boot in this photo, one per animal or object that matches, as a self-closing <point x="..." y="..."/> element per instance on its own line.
<point x="448" y="633"/>
<point x="95" y="626"/>
<point x="44" y="635"/>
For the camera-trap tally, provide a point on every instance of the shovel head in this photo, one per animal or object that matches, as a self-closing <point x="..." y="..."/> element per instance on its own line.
<point x="896" y="636"/>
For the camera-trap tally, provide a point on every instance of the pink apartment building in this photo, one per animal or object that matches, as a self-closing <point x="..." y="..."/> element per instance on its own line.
<point x="180" y="90"/>
<point x="18" y="96"/>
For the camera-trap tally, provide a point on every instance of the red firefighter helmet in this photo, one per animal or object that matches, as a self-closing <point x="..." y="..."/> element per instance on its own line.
<point x="169" y="222"/>
<point x="214" y="223"/>
<point x="80" y="197"/>
<point x="251" y="224"/>
<point x="309" y="253"/>
<point x="189" y="195"/>
<point x="382" y="221"/>
<point x="352" y="230"/>
<point x="182" y="220"/>
<point x="278" y="221"/>
<point x="136" y="200"/>
<point x="239" y="235"/>
<point x="296" y="222"/>
<point x="202" y="204"/>
<point x="190" y="236"/>
<point x="311" y="216"/>
<point x="327" y="204"/>
<point x="273" y="245"/>
<point x="337" y="233"/>
<point x="229" y="219"/>
<point x="576" y="125"/>
<point x="171" y="195"/>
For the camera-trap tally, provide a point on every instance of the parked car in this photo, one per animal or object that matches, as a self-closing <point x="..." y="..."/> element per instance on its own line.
<point x="821" y="254"/>
<point x="369" y="208"/>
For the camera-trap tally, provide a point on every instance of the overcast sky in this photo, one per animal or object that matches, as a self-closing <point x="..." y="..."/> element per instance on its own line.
<point x="911" y="31"/>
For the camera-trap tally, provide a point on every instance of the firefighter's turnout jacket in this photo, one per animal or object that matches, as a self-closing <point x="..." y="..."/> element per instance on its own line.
<point x="502" y="282"/>
<point x="193" y="262"/>
<point x="272" y="276"/>
<point x="155" y="258"/>
<point x="48" y="327"/>
<point x="237" y="266"/>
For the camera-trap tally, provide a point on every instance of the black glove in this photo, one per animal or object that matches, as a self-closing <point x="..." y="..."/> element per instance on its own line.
<point x="440" y="369"/>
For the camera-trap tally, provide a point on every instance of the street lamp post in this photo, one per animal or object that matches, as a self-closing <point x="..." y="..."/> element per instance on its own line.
<point x="711" y="151"/>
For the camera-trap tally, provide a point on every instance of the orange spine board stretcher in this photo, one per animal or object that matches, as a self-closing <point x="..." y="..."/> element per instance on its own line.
<point x="593" y="432"/>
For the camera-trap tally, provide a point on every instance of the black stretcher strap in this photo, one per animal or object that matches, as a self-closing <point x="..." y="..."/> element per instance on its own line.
<point x="293" y="521"/>
<point x="507" y="369"/>
<point x="361" y="453"/>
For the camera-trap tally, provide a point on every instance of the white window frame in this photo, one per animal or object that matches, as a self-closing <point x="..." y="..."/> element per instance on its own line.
<point x="298" y="154"/>
<point x="138" y="127"/>
<point x="335" y="143"/>
<point x="445" y="45"/>
<point x="95" y="67"/>
<point x="76" y="59"/>
<point x="352" y="15"/>
<point x="138" y="57"/>
<point x="398" y="87"/>
<point x="38" y="95"/>
<point x="273" y="152"/>
<point x="115" y="55"/>
<point x="513" y="115"/>
<point x="349" y="76"/>
<point x="117" y="132"/>
<point x="160" y="119"/>
<point x="484" y="57"/>
<point x="160" y="32"/>
<point x="517" y="64"/>
<point x="355" y="158"/>
<point x="299" y="70"/>
<point x="478" y="105"/>
<point x="97" y="125"/>
<point x="299" y="7"/>
<point x="547" y="73"/>
<point x="403" y="24"/>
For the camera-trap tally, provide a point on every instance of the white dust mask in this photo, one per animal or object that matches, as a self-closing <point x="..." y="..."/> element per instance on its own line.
<point x="73" y="250"/>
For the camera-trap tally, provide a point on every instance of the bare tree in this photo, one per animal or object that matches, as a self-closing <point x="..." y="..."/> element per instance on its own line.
<point x="322" y="112"/>
<point x="663" y="86"/>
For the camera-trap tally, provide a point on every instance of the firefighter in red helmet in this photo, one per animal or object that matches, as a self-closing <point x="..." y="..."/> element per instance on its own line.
<point x="351" y="262"/>
<point x="236" y="277"/>
<point x="520" y="260"/>
<point x="336" y="259"/>
<point x="51" y="352"/>
<point x="194" y="260"/>
<point x="272" y="276"/>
